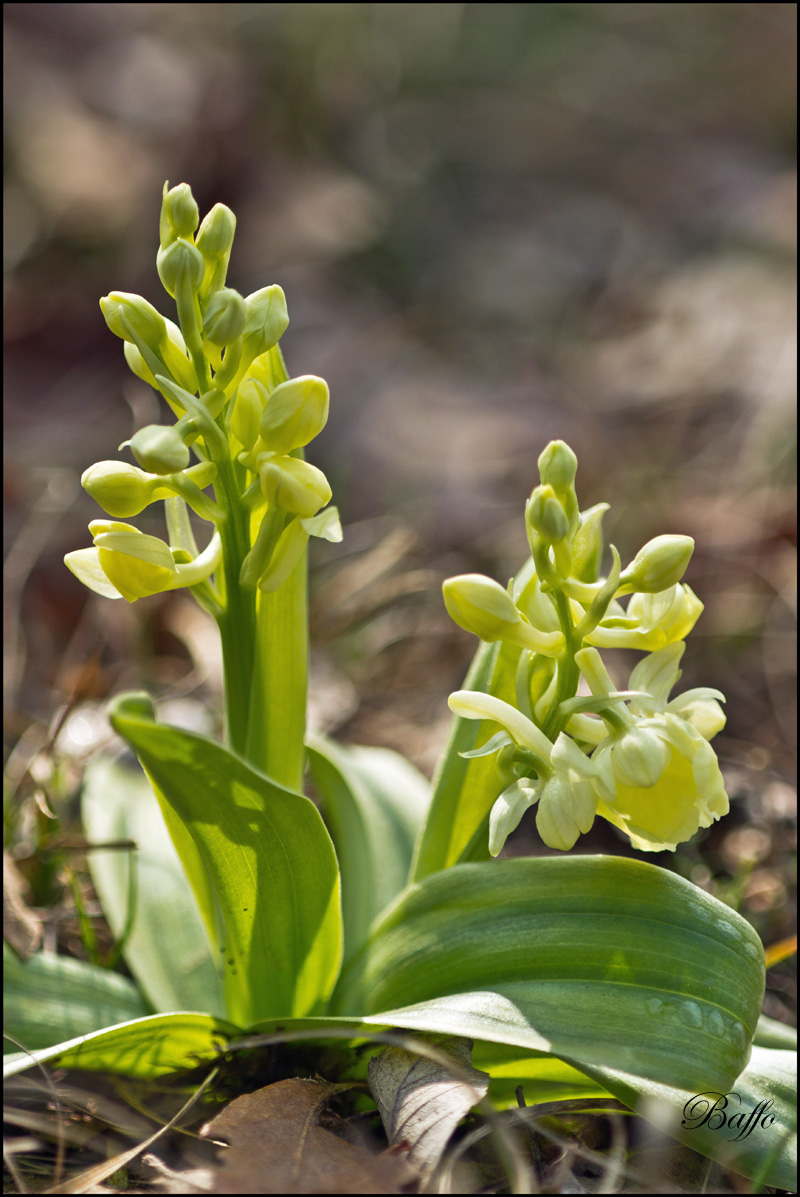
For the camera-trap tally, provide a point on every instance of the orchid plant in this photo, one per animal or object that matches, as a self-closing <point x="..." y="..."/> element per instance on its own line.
<point x="380" y="906"/>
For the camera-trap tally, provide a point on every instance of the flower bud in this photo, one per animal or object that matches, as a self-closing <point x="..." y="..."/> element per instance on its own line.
<point x="545" y="515"/>
<point x="180" y="210"/>
<point x="293" y="485"/>
<point x="225" y="317"/>
<point x="177" y="360"/>
<point x="247" y="411"/>
<point x="295" y="413"/>
<point x="481" y="606"/>
<point x="159" y="449"/>
<point x="173" y="352"/>
<point x="128" y="315"/>
<point x="661" y="563"/>
<point x="558" y="466"/>
<point x="178" y="262"/>
<point x="215" y="235"/>
<point x="121" y="489"/>
<point x="267" y="318"/>
<point x="587" y="547"/>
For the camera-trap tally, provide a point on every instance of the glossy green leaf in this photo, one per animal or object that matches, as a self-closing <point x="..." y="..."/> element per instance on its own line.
<point x="271" y="863"/>
<point x="598" y="960"/>
<point x="543" y="1077"/>
<point x="49" y="998"/>
<point x="167" y="950"/>
<point x="374" y="803"/>
<point x="547" y="1076"/>
<point x="763" y="1149"/>
<point x="145" y="1047"/>
<point x="771" y="1033"/>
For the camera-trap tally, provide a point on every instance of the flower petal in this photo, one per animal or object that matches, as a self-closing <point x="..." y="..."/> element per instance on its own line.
<point x="85" y="564"/>
<point x="471" y="704"/>
<point x="508" y="811"/>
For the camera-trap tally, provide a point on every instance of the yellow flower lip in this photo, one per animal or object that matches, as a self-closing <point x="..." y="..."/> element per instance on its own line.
<point x="688" y="792"/>
<point x="126" y="563"/>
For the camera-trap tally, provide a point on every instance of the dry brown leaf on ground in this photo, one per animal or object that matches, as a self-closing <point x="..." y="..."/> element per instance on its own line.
<point x="276" y="1145"/>
<point x="422" y="1101"/>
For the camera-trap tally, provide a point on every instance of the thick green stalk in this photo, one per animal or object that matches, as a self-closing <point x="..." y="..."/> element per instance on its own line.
<point x="568" y="673"/>
<point x="277" y="712"/>
<point x="237" y="620"/>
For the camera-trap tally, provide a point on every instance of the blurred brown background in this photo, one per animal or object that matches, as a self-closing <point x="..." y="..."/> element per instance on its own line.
<point x="495" y="225"/>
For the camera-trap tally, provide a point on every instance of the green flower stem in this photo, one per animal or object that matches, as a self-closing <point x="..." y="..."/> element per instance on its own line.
<point x="189" y="320"/>
<point x="568" y="673"/>
<point x="236" y="620"/>
<point x="230" y="364"/>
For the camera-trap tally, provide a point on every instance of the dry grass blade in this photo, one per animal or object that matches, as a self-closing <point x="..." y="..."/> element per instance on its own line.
<point x="101" y="1172"/>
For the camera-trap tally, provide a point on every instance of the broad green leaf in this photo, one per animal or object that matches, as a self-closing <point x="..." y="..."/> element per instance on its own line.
<point x="550" y="1077"/>
<point x="146" y="1047"/>
<point x="543" y="1077"/>
<point x="374" y="803"/>
<point x="167" y="949"/>
<point x="765" y="1150"/>
<point x="601" y="961"/>
<point x="771" y="1033"/>
<point x="49" y="998"/>
<point x="270" y="860"/>
<point x="277" y="722"/>
<point x="464" y="789"/>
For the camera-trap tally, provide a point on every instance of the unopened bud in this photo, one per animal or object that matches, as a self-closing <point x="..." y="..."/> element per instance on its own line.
<point x="122" y="490"/>
<point x="545" y="515"/>
<point x="587" y="547"/>
<point x="178" y="262"/>
<point x="558" y="466"/>
<point x="225" y="317"/>
<point x="215" y="235"/>
<point x="481" y="606"/>
<point x="293" y="485"/>
<point x="247" y="411"/>
<point x="658" y="565"/>
<point x="267" y="318"/>
<point x="128" y="315"/>
<point x="159" y="449"/>
<point x="295" y="413"/>
<point x="181" y="210"/>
